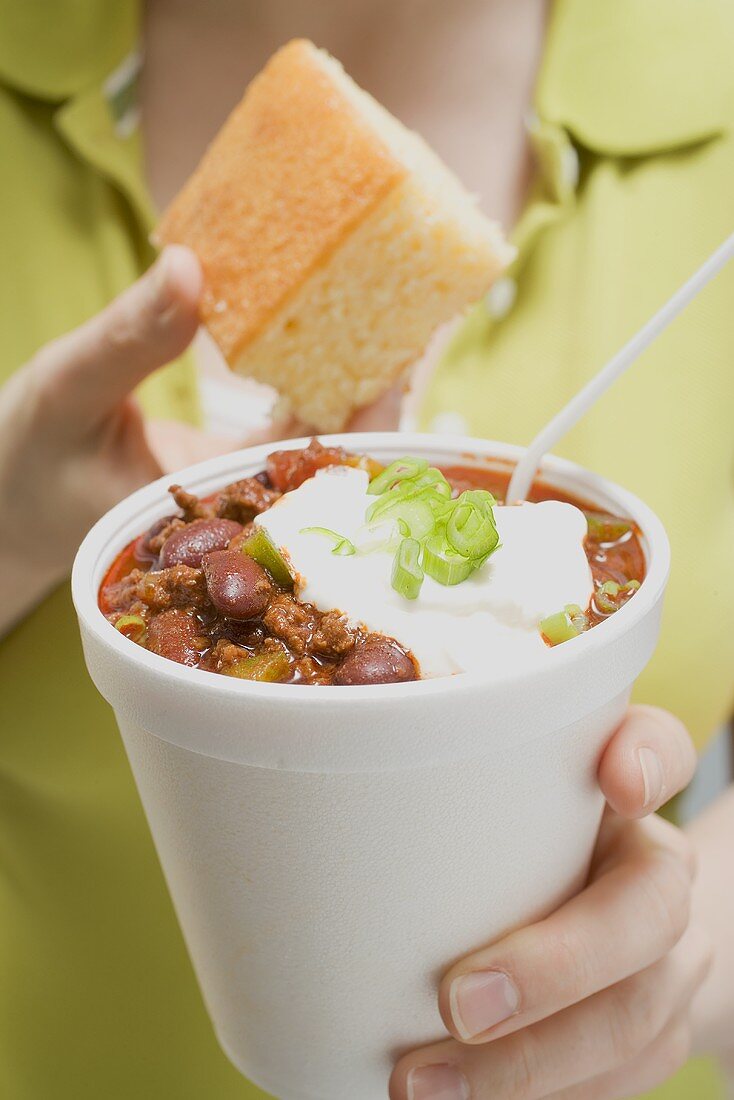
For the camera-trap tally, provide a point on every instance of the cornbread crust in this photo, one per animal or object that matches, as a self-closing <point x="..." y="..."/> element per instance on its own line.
<point x="291" y="173"/>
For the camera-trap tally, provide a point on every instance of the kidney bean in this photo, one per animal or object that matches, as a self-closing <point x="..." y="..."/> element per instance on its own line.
<point x="376" y="661"/>
<point x="189" y="545"/>
<point x="237" y="586"/>
<point x="175" y="634"/>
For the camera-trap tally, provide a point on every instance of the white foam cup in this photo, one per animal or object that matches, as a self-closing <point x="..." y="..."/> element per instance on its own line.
<point x="330" y="851"/>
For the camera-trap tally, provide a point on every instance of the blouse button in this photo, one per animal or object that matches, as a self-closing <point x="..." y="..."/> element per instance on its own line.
<point x="570" y="167"/>
<point x="500" y="298"/>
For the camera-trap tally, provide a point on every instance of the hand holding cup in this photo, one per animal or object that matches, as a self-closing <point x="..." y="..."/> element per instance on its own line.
<point x="592" y="1002"/>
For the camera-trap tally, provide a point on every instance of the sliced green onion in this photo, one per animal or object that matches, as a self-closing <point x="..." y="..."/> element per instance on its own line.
<point x="610" y="596"/>
<point x="445" y="538"/>
<point x="418" y="516"/>
<point x="432" y="478"/>
<point x="375" y="510"/>
<point x="604" y="528"/>
<point x="344" y="549"/>
<point x="471" y="531"/>
<point x="443" y="564"/>
<point x="407" y="574"/>
<point x="399" y="470"/>
<point x="559" y="628"/>
<point x="342" y="546"/>
<point x="267" y="667"/>
<point x="482" y="498"/>
<point x="438" y="503"/>
<point x="259" y="547"/>
<point x="429" y="485"/>
<point x="413" y="516"/>
<point x="387" y="502"/>
<point x="578" y="617"/>
<point x="133" y="627"/>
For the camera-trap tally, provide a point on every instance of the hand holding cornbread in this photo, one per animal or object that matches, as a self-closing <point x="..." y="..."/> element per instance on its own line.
<point x="72" y="437"/>
<point x="333" y="241"/>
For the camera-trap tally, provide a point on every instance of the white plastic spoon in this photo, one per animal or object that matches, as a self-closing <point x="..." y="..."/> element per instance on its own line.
<point x="563" y="421"/>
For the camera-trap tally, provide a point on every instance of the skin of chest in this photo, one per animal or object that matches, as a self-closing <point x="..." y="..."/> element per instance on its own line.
<point x="461" y="75"/>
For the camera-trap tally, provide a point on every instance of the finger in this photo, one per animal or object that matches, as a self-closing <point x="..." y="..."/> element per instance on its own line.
<point x="650" y="758"/>
<point x="281" y="427"/>
<point x="88" y="372"/>
<point x="620" y="841"/>
<point x="605" y="1032"/>
<point x="657" y="1064"/>
<point x="125" y="456"/>
<point x="628" y="918"/>
<point x="382" y="415"/>
<point x="176" y="445"/>
<point x="422" y="372"/>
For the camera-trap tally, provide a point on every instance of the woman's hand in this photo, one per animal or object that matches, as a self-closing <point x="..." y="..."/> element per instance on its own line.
<point x="593" y="1002"/>
<point x="72" y="439"/>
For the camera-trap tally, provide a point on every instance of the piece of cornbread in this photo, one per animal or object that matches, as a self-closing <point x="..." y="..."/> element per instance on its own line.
<point x="333" y="241"/>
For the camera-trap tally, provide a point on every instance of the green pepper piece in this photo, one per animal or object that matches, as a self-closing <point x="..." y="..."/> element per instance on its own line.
<point x="269" y="667"/>
<point x="610" y="596"/>
<point x="259" y="547"/>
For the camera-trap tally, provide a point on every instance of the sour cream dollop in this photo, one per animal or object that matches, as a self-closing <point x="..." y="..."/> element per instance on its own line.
<point x="488" y="623"/>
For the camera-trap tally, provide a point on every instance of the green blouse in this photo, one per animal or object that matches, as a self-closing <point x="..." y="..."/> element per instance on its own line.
<point x="633" y="131"/>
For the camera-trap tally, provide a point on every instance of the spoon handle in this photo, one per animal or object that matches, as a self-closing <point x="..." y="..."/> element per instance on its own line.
<point x="571" y="413"/>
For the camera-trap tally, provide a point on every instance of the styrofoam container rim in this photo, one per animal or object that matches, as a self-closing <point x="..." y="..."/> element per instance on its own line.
<point x="134" y="514"/>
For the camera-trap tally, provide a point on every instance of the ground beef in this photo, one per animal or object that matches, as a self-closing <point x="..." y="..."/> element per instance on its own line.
<point x="154" y="543"/>
<point x="307" y="670"/>
<point x="333" y="637"/>
<point x="191" y="506"/>
<point x="249" y="634"/>
<point x="223" y="655"/>
<point x="245" y="499"/>
<point x="179" y="586"/>
<point x="124" y="595"/>
<point x="293" y="622"/>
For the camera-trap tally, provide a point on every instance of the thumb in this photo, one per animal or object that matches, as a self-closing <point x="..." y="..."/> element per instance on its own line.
<point x="92" y="369"/>
<point x="648" y="760"/>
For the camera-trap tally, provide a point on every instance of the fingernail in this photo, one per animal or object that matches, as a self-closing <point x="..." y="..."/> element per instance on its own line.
<point x="652" y="775"/>
<point x="437" y="1083"/>
<point x="480" y="1000"/>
